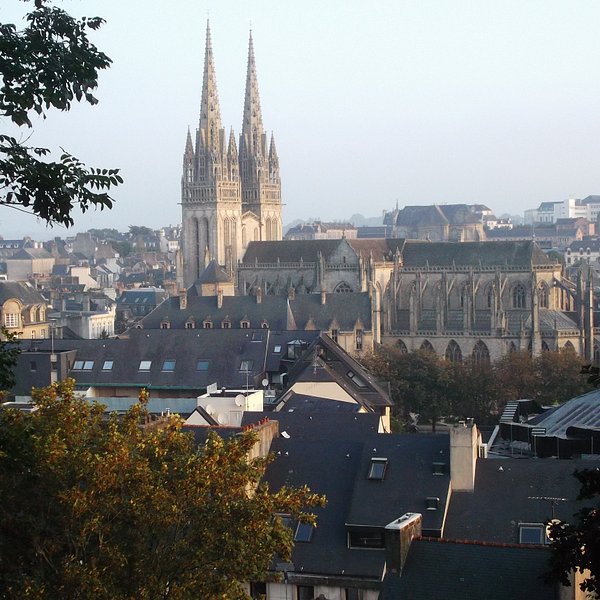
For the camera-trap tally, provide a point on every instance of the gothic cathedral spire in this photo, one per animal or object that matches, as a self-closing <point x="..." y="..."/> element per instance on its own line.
<point x="229" y="196"/>
<point x="261" y="187"/>
<point x="210" y="194"/>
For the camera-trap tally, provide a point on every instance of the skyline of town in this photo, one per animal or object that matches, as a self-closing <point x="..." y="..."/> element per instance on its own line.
<point x="462" y="115"/>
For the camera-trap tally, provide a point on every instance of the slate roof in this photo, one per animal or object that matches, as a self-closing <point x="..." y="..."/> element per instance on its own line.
<point x="316" y="425"/>
<point x="418" y="216"/>
<point x="279" y="312"/>
<point x="273" y="309"/>
<point x="521" y="254"/>
<point x="30" y="253"/>
<point x="330" y="462"/>
<point x="439" y="570"/>
<point x="346" y="309"/>
<point x="214" y="274"/>
<point x="147" y="296"/>
<point x="577" y="245"/>
<point x="380" y="248"/>
<point x="507" y="493"/>
<point x="25" y="292"/>
<point x="333" y="364"/>
<point x="223" y="349"/>
<point x="408" y="481"/>
<point x="303" y="403"/>
<point x="289" y="250"/>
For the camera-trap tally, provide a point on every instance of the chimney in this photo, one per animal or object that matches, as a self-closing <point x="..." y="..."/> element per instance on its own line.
<point x="182" y="300"/>
<point x="465" y="440"/>
<point x="219" y="298"/>
<point x="323" y="297"/>
<point x="258" y="295"/>
<point x="291" y="293"/>
<point x="398" y="536"/>
<point x="86" y="302"/>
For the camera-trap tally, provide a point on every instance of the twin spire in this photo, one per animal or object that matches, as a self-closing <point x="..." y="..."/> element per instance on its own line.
<point x="251" y="140"/>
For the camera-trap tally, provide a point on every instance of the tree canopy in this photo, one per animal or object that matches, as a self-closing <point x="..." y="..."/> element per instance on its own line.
<point x="576" y="546"/>
<point x="424" y="383"/>
<point x="51" y="63"/>
<point x="96" y="507"/>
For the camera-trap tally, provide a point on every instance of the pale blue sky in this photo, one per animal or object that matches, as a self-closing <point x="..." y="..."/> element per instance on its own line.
<point x="421" y="101"/>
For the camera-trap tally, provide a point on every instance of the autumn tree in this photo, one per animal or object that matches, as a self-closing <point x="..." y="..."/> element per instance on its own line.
<point x="50" y="63"/>
<point x="96" y="507"/>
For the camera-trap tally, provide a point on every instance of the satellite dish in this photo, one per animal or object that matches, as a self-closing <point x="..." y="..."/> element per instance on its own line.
<point x="549" y="527"/>
<point x="265" y="382"/>
<point x="239" y="400"/>
<point x="223" y="418"/>
<point x="210" y="409"/>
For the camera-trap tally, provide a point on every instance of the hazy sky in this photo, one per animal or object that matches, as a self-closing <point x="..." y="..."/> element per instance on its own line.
<point x="419" y="101"/>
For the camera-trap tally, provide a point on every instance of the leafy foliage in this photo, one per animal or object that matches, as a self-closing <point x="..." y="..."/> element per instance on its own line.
<point x="421" y="382"/>
<point x="9" y="352"/>
<point x="49" y="64"/>
<point x="97" y="508"/>
<point x="576" y="547"/>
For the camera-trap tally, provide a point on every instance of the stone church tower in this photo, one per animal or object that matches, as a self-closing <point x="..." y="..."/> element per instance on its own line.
<point x="224" y="207"/>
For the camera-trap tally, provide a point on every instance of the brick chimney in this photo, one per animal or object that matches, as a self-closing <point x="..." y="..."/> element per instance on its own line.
<point x="323" y="297"/>
<point x="220" y="298"/>
<point x="291" y="293"/>
<point x="398" y="536"/>
<point x="258" y="295"/>
<point x="182" y="300"/>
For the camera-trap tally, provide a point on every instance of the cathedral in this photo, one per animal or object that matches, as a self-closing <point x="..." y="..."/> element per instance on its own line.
<point x="230" y="196"/>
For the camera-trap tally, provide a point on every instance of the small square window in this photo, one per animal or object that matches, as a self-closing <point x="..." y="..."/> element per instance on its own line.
<point x="377" y="468"/>
<point x="88" y="365"/>
<point x="304" y="532"/>
<point x="169" y="365"/>
<point x="439" y="468"/>
<point x="202" y="365"/>
<point x="531" y="533"/>
<point x="78" y="365"/>
<point x="246" y="365"/>
<point x="277" y="349"/>
<point x="145" y="365"/>
<point x="432" y="503"/>
<point x="107" y="365"/>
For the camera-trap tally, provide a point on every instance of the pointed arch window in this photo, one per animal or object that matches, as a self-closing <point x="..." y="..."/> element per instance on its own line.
<point x="543" y="296"/>
<point x="426" y="345"/>
<point x="402" y="347"/>
<point x="518" y="296"/>
<point x="453" y="352"/>
<point x="481" y="354"/>
<point x="490" y="296"/>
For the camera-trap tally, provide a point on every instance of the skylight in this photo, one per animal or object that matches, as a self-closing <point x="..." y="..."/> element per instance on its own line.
<point x="169" y="365"/>
<point x="277" y="349"/>
<point x="202" y="365"/>
<point x="145" y="365"/>
<point x="377" y="468"/>
<point x="304" y="532"/>
<point x="246" y="365"/>
<point x="78" y="365"/>
<point x="107" y="365"/>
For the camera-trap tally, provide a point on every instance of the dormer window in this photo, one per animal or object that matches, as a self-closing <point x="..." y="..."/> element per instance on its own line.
<point x="165" y="325"/>
<point x="377" y="468"/>
<point x="245" y="324"/>
<point x="190" y="324"/>
<point x="207" y="324"/>
<point x="264" y="325"/>
<point x="226" y="325"/>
